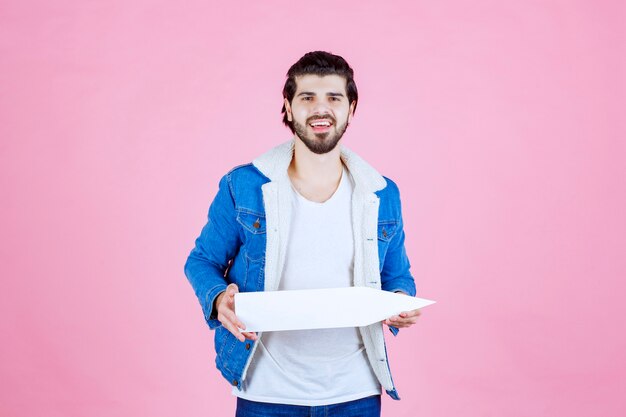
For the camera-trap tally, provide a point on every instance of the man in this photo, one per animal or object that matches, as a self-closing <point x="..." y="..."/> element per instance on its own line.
<point x="307" y="214"/>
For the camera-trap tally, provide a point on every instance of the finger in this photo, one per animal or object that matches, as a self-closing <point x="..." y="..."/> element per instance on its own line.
<point x="411" y="313"/>
<point x="231" y="289"/>
<point x="398" y="325"/>
<point x="230" y="299"/>
<point x="390" y="322"/>
<point x="412" y="319"/>
<point x="235" y="331"/>
<point x="230" y="315"/>
<point x="401" y="322"/>
<point x="224" y="297"/>
<point x="249" y="335"/>
<point x="231" y="327"/>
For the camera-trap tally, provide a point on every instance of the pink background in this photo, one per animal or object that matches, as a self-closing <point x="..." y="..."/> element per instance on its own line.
<point x="502" y="123"/>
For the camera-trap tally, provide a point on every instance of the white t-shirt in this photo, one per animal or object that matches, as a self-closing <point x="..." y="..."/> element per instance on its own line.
<point x="320" y="366"/>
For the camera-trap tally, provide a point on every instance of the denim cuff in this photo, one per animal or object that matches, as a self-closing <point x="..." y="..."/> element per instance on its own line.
<point x="210" y="314"/>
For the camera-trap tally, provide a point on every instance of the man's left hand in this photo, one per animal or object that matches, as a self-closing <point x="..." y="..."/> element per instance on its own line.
<point x="404" y="319"/>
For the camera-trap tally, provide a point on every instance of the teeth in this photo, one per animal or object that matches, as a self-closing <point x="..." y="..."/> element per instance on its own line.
<point x="320" y="124"/>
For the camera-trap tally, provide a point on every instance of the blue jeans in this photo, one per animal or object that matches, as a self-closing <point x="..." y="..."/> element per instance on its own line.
<point x="364" y="407"/>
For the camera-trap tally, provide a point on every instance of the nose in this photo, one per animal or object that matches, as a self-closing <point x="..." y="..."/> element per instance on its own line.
<point x="321" y="107"/>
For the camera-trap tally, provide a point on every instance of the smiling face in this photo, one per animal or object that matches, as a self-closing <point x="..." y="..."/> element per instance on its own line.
<point x="320" y="111"/>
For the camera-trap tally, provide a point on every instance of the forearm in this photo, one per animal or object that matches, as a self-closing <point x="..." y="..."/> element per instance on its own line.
<point x="404" y="284"/>
<point x="217" y="245"/>
<point x="208" y="283"/>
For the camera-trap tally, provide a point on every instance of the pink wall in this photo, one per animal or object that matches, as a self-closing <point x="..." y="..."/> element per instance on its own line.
<point x="502" y="123"/>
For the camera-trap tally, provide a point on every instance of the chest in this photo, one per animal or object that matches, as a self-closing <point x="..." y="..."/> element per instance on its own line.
<point x="317" y="193"/>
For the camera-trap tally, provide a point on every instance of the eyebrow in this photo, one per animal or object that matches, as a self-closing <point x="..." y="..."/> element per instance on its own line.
<point x="310" y="93"/>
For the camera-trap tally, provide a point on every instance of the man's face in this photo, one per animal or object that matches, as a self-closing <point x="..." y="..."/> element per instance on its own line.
<point x="320" y="111"/>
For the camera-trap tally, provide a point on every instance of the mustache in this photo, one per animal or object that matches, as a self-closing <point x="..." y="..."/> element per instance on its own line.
<point x="328" y="117"/>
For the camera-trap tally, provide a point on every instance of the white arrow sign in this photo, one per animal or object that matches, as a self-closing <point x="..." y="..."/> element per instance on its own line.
<point x="320" y="308"/>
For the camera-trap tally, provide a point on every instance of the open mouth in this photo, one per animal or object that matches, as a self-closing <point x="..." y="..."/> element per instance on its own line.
<point x="321" y="125"/>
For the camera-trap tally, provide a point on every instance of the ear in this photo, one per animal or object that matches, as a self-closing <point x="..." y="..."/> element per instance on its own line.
<point x="288" y="110"/>
<point x="351" y="112"/>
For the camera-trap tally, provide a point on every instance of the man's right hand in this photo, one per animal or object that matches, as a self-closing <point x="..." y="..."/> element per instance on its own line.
<point x="225" y="303"/>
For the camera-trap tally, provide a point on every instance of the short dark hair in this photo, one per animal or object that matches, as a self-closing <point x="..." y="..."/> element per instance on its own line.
<point x="318" y="63"/>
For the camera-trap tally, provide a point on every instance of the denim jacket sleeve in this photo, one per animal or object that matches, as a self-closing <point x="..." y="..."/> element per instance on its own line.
<point x="217" y="244"/>
<point x="395" y="274"/>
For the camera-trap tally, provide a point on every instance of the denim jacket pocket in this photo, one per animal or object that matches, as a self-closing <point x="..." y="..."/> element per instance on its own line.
<point x="386" y="231"/>
<point x="251" y="221"/>
<point x="254" y="279"/>
<point x="253" y="225"/>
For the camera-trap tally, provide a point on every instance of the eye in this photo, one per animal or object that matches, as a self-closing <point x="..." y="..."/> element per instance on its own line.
<point x="306" y="98"/>
<point x="335" y="99"/>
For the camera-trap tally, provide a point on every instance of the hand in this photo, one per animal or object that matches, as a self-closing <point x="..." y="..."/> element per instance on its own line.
<point x="404" y="319"/>
<point x="225" y="303"/>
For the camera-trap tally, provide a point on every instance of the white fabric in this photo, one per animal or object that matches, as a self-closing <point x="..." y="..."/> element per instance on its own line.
<point x="321" y="366"/>
<point x="277" y="195"/>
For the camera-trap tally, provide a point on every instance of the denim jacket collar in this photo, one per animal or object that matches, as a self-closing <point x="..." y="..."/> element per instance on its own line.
<point x="274" y="163"/>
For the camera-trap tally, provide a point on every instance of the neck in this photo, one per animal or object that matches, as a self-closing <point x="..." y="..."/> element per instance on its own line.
<point x="314" y="168"/>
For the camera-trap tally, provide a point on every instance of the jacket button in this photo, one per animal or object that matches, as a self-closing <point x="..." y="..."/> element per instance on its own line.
<point x="247" y="346"/>
<point x="256" y="224"/>
<point x="384" y="233"/>
<point x="235" y="382"/>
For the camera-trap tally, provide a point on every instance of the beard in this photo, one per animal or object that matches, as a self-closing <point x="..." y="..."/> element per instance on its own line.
<point x="321" y="143"/>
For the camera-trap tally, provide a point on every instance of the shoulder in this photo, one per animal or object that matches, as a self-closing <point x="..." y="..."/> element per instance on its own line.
<point x="391" y="184"/>
<point x="390" y="204"/>
<point x="244" y="183"/>
<point x="242" y="169"/>
<point x="245" y="174"/>
<point x="391" y="190"/>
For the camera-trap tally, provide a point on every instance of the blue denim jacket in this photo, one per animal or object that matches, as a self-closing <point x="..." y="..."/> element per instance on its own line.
<point x="245" y="239"/>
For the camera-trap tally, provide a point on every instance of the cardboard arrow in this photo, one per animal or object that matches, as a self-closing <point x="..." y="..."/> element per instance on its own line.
<point x="320" y="308"/>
